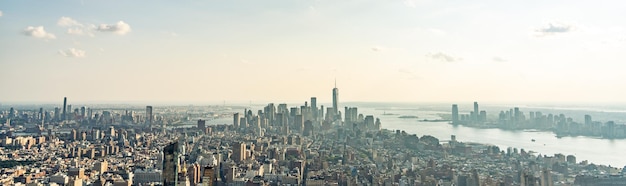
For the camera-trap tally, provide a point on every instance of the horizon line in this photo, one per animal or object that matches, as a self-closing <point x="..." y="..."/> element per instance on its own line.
<point x="262" y="102"/>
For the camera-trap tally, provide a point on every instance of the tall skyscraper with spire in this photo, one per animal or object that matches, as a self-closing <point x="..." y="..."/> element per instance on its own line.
<point x="336" y="99"/>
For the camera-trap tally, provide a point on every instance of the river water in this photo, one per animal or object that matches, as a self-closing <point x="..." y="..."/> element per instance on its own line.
<point x="599" y="151"/>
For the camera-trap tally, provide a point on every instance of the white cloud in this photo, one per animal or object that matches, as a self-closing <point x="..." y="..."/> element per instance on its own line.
<point x="72" y="52"/>
<point x="1" y="14"/>
<point x="554" y="28"/>
<point x="38" y="32"/>
<point x="67" y="22"/>
<point x="119" y="28"/>
<point x="439" y="56"/>
<point x="377" y="48"/>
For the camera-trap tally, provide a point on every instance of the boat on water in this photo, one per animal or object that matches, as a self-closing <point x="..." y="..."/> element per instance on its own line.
<point x="408" y="117"/>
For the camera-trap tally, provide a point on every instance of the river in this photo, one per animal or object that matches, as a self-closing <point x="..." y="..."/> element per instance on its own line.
<point x="599" y="151"/>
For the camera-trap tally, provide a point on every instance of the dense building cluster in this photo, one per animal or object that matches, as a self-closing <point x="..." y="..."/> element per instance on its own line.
<point x="276" y="145"/>
<point x="560" y="124"/>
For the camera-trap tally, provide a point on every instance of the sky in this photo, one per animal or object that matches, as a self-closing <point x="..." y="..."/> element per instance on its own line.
<point x="290" y="50"/>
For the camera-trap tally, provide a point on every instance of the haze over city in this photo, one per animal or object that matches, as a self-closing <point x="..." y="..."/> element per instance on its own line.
<point x="312" y="93"/>
<point x="238" y="51"/>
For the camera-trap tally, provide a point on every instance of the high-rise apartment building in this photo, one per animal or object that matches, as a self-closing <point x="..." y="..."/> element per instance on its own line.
<point x="455" y="114"/>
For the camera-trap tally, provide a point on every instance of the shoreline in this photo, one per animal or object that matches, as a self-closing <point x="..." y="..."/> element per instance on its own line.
<point x="556" y="134"/>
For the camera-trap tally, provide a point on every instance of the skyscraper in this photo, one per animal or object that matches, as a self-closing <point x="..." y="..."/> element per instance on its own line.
<point x="299" y="123"/>
<point x="314" y="108"/>
<point x="57" y="115"/>
<point x="83" y="112"/>
<point x="40" y="115"/>
<point x="149" y="116"/>
<point x="89" y="113"/>
<point x="269" y="111"/>
<point x="69" y="112"/>
<point x="11" y="113"/>
<point x="170" y="164"/>
<point x="455" y="114"/>
<point x="243" y="124"/>
<point x="336" y="99"/>
<point x="201" y="125"/>
<point x="588" y="120"/>
<point x="236" y="121"/>
<point x="476" y="113"/>
<point x="239" y="152"/>
<point x="63" y="117"/>
<point x="482" y="117"/>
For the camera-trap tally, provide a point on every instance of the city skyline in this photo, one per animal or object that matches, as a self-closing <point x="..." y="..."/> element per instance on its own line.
<point x="379" y="51"/>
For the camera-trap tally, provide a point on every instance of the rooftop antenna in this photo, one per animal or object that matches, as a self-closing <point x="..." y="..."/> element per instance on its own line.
<point x="335" y="82"/>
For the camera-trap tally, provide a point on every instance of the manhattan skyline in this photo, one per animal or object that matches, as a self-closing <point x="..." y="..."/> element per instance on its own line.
<point x="287" y="51"/>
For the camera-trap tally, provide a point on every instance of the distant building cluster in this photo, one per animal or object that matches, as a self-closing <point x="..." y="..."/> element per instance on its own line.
<point x="276" y="145"/>
<point x="559" y="123"/>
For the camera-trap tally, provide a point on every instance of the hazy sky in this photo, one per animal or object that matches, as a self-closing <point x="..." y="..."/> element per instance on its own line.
<point x="290" y="50"/>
